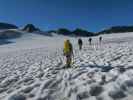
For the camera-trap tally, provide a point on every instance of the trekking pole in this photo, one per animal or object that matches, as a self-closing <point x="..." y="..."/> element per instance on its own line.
<point x="73" y="59"/>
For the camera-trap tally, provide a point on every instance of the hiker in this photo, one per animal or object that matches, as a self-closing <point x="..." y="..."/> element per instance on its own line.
<point x="90" y="40"/>
<point x="80" y="43"/>
<point x="68" y="52"/>
<point x="100" y="39"/>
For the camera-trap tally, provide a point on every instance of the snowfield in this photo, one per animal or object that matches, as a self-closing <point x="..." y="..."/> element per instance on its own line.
<point x="31" y="69"/>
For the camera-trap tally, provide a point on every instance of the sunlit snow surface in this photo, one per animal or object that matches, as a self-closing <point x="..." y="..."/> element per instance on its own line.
<point x="31" y="69"/>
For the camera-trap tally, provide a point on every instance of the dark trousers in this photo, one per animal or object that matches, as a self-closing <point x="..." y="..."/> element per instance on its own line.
<point x="68" y="60"/>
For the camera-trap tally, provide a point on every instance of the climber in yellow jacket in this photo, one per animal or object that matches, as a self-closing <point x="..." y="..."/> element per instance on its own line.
<point x="68" y="52"/>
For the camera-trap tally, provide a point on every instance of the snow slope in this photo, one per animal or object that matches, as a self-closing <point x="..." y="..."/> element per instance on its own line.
<point x="31" y="69"/>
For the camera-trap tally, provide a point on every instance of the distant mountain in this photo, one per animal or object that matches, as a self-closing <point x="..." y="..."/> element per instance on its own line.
<point x="76" y="32"/>
<point x="117" y="29"/>
<point x="7" y="31"/>
<point x="9" y="34"/>
<point x="81" y="32"/>
<point x="7" y="26"/>
<point x="63" y="31"/>
<point x="30" y="28"/>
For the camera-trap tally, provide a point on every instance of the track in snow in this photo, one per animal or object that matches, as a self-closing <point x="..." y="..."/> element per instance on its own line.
<point x="103" y="72"/>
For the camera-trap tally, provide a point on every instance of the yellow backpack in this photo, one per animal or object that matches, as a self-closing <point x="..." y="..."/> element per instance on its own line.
<point x="66" y="47"/>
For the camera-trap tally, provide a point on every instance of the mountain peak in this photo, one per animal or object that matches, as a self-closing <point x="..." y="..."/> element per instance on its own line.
<point x="30" y="28"/>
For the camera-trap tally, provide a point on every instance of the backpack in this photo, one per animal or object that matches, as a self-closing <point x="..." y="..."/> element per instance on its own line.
<point x="80" y="42"/>
<point x="67" y="47"/>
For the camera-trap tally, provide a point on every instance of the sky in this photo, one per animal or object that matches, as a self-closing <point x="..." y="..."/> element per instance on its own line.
<point x="92" y="15"/>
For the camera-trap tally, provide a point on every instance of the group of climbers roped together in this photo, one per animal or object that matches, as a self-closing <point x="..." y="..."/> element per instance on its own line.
<point x="68" y="49"/>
